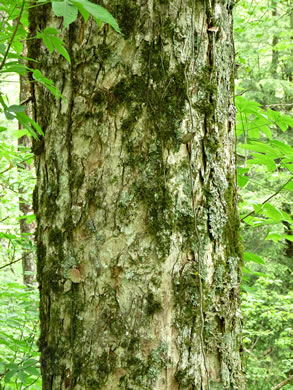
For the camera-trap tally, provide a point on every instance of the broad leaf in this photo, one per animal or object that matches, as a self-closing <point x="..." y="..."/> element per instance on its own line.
<point x="66" y="10"/>
<point x="98" y="12"/>
<point x="52" y="41"/>
<point x="277" y="237"/>
<point x="272" y="212"/>
<point x="261" y="147"/>
<point x="248" y="256"/>
<point x="260" y="159"/>
<point x="16" y="108"/>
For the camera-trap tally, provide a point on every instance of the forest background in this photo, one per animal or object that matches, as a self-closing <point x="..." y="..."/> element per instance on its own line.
<point x="264" y="59"/>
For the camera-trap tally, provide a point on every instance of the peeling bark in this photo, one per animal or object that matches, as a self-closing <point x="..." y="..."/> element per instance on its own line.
<point x="138" y="235"/>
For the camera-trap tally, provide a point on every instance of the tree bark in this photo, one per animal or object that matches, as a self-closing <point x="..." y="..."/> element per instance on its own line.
<point x="138" y="235"/>
<point x="25" y="206"/>
<point x="283" y="383"/>
<point x="26" y="229"/>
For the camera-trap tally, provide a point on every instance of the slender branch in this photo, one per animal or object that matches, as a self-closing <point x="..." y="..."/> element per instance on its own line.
<point x="26" y="387"/>
<point x="284" y="383"/>
<point x="13" y="35"/>
<point x="278" y="104"/>
<point x="286" y="13"/>
<point x="40" y="4"/>
<point x="7" y="169"/>
<point x="269" y="198"/>
<point x="29" y="99"/>
<point x="15" y="261"/>
<point x="18" y="164"/>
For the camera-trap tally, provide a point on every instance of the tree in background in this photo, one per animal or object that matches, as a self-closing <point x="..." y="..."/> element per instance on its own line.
<point x="138" y="246"/>
<point x="27" y="228"/>
<point x="263" y="32"/>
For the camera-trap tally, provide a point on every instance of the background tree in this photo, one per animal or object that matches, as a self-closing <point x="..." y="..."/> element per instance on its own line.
<point x="138" y="246"/>
<point x="263" y="31"/>
<point x="27" y="228"/>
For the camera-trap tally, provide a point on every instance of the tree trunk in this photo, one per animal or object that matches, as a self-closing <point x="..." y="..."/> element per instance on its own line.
<point x="26" y="229"/>
<point x="138" y="235"/>
<point x="275" y="41"/>
<point x="25" y="207"/>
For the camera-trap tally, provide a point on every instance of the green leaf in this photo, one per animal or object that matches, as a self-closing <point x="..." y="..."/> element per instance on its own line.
<point x="98" y="12"/>
<point x="14" y="67"/>
<point x="11" y="366"/>
<point x="277" y="237"/>
<point x="30" y="218"/>
<point x="261" y="123"/>
<point x="245" y="287"/>
<point x="23" y="377"/>
<point x="288" y="166"/>
<point x="241" y="170"/>
<point x="272" y="212"/>
<point x="267" y="131"/>
<point x="58" y="44"/>
<point x="52" y="41"/>
<point x="84" y="12"/>
<point x="20" y="133"/>
<point x="32" y="371"/>
<point x="16" y="108"/>
<point x="30" y="362"/>
<point x="289" y="186"/>
<point x="287" y="150"/>
<point x="48" y="43"/>
<point x="261" y="147"/>
<point x="260" y="159"/>
<point x="248" y="256"/>
<point x="29" y="124"/>
<point x="257" y="208"/>
<point x="66" y="10"/>
<point x="9" y="116"/>
<point x="37" y="75"/>
<point x="9" y="375"/>
<point x="248" y="271"/>
<point x="247" y="106"/>
<point x="282" y="120"/>
<point x="242" y="180"/>
<point x="254" y="133"/>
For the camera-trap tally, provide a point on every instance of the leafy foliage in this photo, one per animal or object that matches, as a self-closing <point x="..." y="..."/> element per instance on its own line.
<point x="52" y="41"/>
<point x="68" y="9"/>
<point x="19" y="331"/>
<point x="268" y="330"/>
<point x="265" y="162"/>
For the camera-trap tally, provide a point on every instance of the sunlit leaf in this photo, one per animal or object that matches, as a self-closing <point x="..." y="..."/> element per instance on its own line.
<point x="277" y="237"/>
<point x="98" y="12"/>
<point x="65" y="9"/>
<point x="248" y="256"/>
<point x="52" y="41"/>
